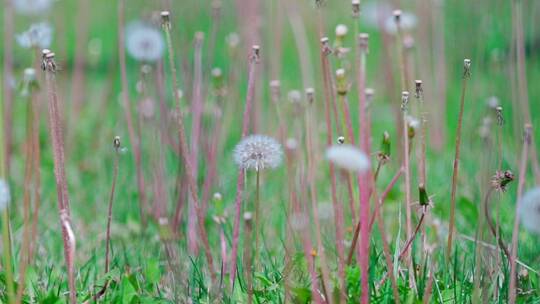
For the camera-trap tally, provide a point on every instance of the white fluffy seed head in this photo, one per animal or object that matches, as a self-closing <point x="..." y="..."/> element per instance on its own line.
<point x="257" y="152"/>
<point x="38" y="35"/>
<point x="529" y="210"/>
<point x="341" y="30"/>
<point x="407" y="22"/>
<point x="348" y="157"/>
<point x="294" y="96"/>
<point x="32" y="7"/>
<point x="5" y="195"/>
<point x="144" y="42"/>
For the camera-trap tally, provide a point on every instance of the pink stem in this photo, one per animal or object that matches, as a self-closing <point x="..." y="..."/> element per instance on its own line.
<point x="240" y="181"/>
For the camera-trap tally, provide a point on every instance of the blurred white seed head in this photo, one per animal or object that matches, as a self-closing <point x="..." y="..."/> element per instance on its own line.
<point x="32" y="7"/>
<point x="294" y="96"/>
<point x="257" y="152"/>
<point x="216" y="72"/>
<point x="325" y="211"/>
<point x="493" y="102"/>
<point x="407" y="22"/>
<point x="299" y="221"/>
<point x="233" y="39"/>
<point x="217" y="197"/>
<point x="529" y="210"/>
<point x="413" y="123"/>
<point x="29" y="75"/>
<point x="144" y="42"/>
<point x="348" y="157"/>
<point x="341" y="30"/>
<point x="5" y="195"/>
<point x="291" y="143"/>
<point x="38" y="35"/>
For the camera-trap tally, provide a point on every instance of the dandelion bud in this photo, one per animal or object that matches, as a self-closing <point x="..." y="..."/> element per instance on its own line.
<point x="166" y="20"/>
<point x="310" y="95"/>
<point x="313" y="252"/>
<point x="325" y="46"/>
<point x="116" y="142"/>
<point x="500" y="118"/>
<point x="466" y="68"/>
<point x="363" y="42"/>
<point x="341" y="140"/>
<point x="423" y="198"/>
<point x="413" y="125"/>
<point x="419" y="89"/>
<point x="256" y="49"/>
<point x="397" y="16"/>
<point x="404" y="100"/>
<point x="5" y="196"/>
<point x="341" y="82"/>
<point x="355" y="8"/>
<point x="384" y="153"/>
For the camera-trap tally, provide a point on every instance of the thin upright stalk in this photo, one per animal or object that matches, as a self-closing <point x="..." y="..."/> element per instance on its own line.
<point x="466" y="76"/>
<point x="254" y="59"/>
<point x="59" y="172"/>
<point x="192" y="185"/>
<point x="515" y="232"/>
<point x="127" y="112"/>
<point x="338" y="210"/>
<point x="7" y="120"/>
<point x="8" y="266"/>
<point x="257" y="214"/>
<point x="116" y="145"/>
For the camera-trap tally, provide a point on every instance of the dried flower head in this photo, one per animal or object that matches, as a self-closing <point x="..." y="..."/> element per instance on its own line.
<point x="348" y="157"/>
<point x="144" y="42"/>
<point x="5" y="196"/>
<point x="165" y="20"/>
<point x="501" y="179"/>
<point x="310" y="95"/>
<point x="529" y="210"/>
<point x="32" y="7"/>
<point x="341" y="140"/>
<point x="37" y="35"/>
<point x="355" y="8"/>
<point x="257" y="152"/>
<point x="466" y="68"/>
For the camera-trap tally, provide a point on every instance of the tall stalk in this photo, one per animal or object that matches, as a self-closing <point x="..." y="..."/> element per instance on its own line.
<point x="127" y="112"/>
<point x="465" y="78"/>
<point x="521" y="184"/>
<point x="338" y="210"/>
<point x="253" y="61"/>
<point x="116" y="146"/>
<point x="184" y="150"/>
<point x="55" y="127"/>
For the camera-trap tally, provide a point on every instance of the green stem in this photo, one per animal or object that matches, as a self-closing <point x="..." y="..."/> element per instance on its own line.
<point x="7" y="256"/>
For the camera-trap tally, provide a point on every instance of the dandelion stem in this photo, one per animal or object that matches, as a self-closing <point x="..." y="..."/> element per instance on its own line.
<point x="240" y="180"/>
<point x="185" y="150"/>
<point x="111" y="199"/>
<point x="515" y="232"/>
<point x="466" y="76"/>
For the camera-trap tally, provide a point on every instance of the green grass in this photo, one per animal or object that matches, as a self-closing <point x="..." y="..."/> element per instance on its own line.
<point x="140" y="270"/>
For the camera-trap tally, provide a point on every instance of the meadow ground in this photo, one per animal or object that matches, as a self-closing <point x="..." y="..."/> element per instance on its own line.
<point x="350" y="197"/>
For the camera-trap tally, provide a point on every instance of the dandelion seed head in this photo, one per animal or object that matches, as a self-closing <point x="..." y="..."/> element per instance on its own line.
<point x="37" y="35"/>
<point x="294" y="96"/>
<point x="29" y="75"/>
<point x="217" y="197"/>
<point x="5" y="195"/>
<point x="257" y="152"/>
<point x="493" y="102"/>
<point x="529" y="210"/>
<point x="144" y="42"/>
<point x="325" y="211"/>
<point x="299" y="221"/>
<point x="413" y="122"/>
<point x="348" y="157"/>
<point x="407" y="22"/>
<point x="291" y="143"/>
<point x="32" y="7"/>
<point x="341" y="30"/>
<point x="233" y="39"/>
